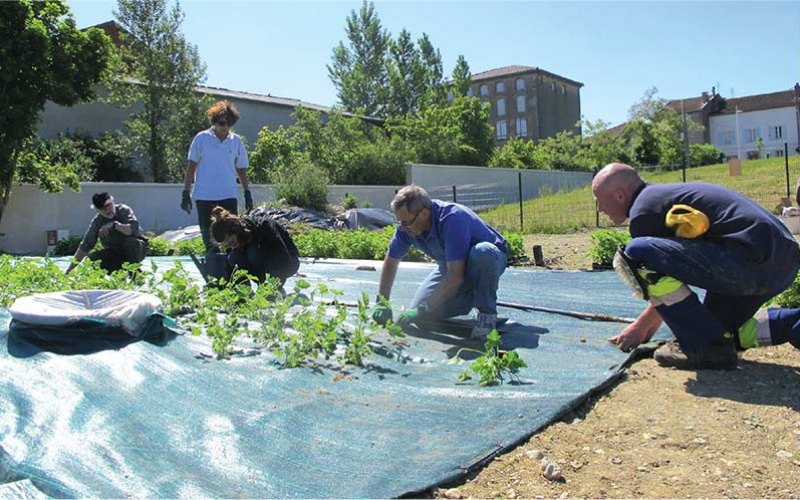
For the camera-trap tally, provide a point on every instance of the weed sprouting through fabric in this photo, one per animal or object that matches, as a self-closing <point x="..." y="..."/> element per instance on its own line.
<point x="299" y="328"/>
<point x="493" y="363"/>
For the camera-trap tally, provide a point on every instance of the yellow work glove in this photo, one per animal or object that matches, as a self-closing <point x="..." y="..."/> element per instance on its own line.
<point x="687" y="222"/>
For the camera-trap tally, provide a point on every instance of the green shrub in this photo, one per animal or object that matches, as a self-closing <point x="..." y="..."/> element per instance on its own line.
<point x="158" y="247"/>
<point x="316" y="243"/>
<point x="705" y="154"/>
<point x="187" y="247"/>
<point x="605" y="243"/>
<point x="67" y="246"/>
<point x="516" y="246"/>
<point x="304" y="185"/>
<point x="350" y="202"/>
<point x="360" y="244"/>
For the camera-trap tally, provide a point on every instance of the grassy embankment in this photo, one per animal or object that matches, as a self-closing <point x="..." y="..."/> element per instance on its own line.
<point x="564" y="212"/>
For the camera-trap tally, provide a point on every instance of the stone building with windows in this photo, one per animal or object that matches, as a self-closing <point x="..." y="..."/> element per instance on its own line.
<point x="528" y="102"/>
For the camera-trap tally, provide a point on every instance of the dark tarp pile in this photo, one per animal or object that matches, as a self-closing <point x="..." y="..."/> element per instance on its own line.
<point x="167" y="420"/>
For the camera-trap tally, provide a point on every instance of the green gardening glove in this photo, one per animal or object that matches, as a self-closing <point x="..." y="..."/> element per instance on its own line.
<point x="382" y="313"/>
<point x="407" y="317"/>
<point x="412" y="315"/>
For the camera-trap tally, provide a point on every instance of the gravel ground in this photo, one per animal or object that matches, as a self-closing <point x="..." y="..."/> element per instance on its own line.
<point x="660" y="433"/>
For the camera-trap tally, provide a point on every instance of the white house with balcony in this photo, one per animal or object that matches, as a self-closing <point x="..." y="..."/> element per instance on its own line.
<point x="774" y="118"/>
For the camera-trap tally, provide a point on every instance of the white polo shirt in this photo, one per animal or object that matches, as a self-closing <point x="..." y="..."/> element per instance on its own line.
<point x="217" y="161"/>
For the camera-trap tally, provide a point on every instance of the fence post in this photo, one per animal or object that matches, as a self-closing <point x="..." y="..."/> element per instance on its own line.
<point x="596" y="207"/>
<point x="596" y="215"/>
<point x="519" y="183"/>
<point x="455" y="197"/>
<point x="786" y="161"/>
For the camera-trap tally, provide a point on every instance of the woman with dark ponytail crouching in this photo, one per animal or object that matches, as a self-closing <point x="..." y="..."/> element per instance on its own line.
<point x="256" y="243"/>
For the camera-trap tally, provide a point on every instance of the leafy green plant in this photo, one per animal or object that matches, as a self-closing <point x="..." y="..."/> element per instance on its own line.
<point x="220" y="312"/>
<point x="516" y="246"/>
<point x="304" y="185"/>
<point x="67" y="246"/>
<point x="188" y="247"/>
<point x="158" y="247"/>
<point x="359" y="244"/>
<point x="176" y="289"/>
<point x="605" y="243"/>
<point x="350" y="202"/>
<point x="493" y="363"/>
<point x="358" y="345"/>
<point x="316" y="243"/>
<point x="299" y="328"/>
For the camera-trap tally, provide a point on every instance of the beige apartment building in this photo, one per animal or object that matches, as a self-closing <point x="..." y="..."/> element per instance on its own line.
<point x="528" y="102"/>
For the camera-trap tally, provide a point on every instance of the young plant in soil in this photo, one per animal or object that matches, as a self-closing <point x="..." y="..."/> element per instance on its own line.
<point x="493" y="362"/>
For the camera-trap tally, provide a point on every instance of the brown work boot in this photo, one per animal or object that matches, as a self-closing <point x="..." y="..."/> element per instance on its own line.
<point x="720" y="355"/>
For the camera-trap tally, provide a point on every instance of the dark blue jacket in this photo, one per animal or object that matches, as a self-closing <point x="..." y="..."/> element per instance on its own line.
<point x="736" y="221"/>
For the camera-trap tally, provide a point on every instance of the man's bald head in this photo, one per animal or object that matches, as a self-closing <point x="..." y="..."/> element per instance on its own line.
<point x="613" y="188"/>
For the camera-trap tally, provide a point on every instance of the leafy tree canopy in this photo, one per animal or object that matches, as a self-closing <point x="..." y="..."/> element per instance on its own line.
<point x="43" y="57"/>
<point x="377" y="75"/>
<point x="156" y="81"/>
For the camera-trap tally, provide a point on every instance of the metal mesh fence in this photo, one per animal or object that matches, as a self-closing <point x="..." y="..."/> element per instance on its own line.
<point x="556" y="205"/>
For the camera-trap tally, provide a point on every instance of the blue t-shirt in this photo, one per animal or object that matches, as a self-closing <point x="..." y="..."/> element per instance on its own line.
<point x="454" y="230"/>
<point x="735" y="220"/>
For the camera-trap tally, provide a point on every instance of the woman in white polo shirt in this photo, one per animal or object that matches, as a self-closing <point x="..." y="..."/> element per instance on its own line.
<point x="216" y="158"/>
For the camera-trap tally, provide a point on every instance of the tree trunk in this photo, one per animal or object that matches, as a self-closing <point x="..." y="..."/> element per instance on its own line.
<point x="6" y="185"/>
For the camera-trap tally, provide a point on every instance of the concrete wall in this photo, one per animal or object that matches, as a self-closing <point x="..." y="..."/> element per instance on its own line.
<point x="31" y="212"/>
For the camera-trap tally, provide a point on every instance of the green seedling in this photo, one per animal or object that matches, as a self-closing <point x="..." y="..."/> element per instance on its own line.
<point x="493" y="362"/>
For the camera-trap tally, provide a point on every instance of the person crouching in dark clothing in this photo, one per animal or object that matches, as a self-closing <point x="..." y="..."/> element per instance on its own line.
<point x="257" y="244"/>
<point x="116" y="226"/>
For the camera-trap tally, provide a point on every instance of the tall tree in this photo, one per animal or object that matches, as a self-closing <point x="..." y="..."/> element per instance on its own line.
<point x="358" y="71"/>
<point x="43" y="56"/>
<point x="407" y="78"/>
<point x="662" y="133"/>
<point x="157" y="84"/>
<point x="462" y="78"/>
<point x="431" y="60"/>
<point x="649" y="108"/>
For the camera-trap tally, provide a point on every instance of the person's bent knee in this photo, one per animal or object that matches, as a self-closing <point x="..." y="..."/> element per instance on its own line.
<point x="134" y="249"/>
<point x="641" y="249"/>
<point x="484" y="251"/>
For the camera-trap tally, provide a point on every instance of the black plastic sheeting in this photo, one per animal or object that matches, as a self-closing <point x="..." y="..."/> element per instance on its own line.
<point x="166" y="420"/>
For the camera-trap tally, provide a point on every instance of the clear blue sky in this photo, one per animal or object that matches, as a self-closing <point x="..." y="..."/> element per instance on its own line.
<point x="618" y="50"/>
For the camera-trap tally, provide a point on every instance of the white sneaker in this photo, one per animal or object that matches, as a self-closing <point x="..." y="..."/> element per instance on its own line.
<point x="484" y="324"/>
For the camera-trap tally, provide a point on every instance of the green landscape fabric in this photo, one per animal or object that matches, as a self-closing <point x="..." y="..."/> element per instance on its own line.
<point x="169" y="420"/>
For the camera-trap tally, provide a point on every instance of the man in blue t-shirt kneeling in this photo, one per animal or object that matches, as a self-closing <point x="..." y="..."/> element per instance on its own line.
<point x="470" y="255"/>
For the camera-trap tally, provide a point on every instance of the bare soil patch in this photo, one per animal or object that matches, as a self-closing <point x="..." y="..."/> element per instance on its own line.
<point x="661" y="433"/>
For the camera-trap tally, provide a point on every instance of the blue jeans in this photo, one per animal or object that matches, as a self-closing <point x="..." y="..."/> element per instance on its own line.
<point x="485" y="264"/>
<point x="735" y="287"/>
<point x="204" y="218"/>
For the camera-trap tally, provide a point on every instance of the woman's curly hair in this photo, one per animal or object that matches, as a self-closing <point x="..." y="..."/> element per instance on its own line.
<point x="223" y="109"/>
<point x="225" y="224"/>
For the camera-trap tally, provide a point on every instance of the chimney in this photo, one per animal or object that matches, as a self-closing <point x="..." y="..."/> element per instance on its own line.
<point x="705" y="97"/>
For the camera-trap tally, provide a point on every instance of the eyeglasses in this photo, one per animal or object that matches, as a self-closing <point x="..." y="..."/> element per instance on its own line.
<point x="404" y="223"/>
<point x="222" y="123"/>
